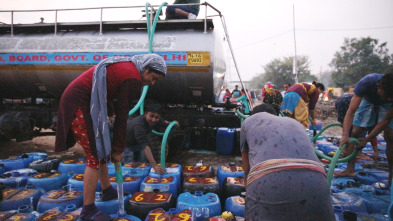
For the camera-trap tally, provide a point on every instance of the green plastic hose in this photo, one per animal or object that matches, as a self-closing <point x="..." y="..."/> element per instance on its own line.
<point x="242" y="116"/>
<point x="321" y="155"/>
<point x="335" y="159"/>
<point x="150" y="32"/>
<point x="164" y="141"/>
<point x="140" y="102"/>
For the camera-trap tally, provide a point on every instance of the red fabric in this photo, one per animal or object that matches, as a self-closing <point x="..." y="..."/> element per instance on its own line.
<point x="123" y="84"/>
<point x="80" y="135"/>
<point x="374" y="142"/>
<point x="310" y="98"/>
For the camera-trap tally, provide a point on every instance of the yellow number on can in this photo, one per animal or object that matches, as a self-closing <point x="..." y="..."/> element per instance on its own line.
<point x="156" y="216"/>
<point x="139" y="197"/>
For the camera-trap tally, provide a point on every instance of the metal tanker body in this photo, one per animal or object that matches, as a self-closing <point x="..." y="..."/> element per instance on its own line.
<point x="38" y="61"/>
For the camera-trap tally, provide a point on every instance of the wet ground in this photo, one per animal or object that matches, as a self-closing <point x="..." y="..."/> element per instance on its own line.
<point x="182" y="157"/>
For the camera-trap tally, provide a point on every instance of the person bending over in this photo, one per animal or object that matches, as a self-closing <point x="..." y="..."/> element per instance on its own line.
<point x="295" y="99"/>
<point x="83" y="117"/>
<point x="284" y="178"/>
<point x="138" y="129"/>
<point x="370" y="106"/>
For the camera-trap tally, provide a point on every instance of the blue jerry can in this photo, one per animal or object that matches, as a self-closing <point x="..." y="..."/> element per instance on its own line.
<point x="171" y="214"/>
<point x="13" y="164"/>
<point x="171" y="169"/>
<point x="165" y="184"/>
<point x="318" y="126"/>
<point x="59" y="198"/>
<point x="30" y="157"/>
<point x="198" y="171"/>
<point x="110" y="207"/>
<point x="2" y="168"/>
<point x="232" y="186"/>
<point x="14" y="198"/>
<point x="371" y="176"/>
<point x="124" y="217"/>
<point x="201" y="205"/>
<point x="76" y="182"/>
<point x="141" y="203"/>
<point x="376" y="204"/>
<point x="70" y="212"/>
<point x="324" y="145"/>
<point x="48" y="181"/>
<point x="204" y="184"/>
<point x="23" y="213"/>
<point x="229" y="171"/>
<point x="72" y="166"/>
<point x="16" y="178"/>
<point x="340" y="183"/>
<point x="236" y="204"/>
<point x="131" y="184"/>
<point x="382" y="188"/>
<point x="131" y="169"/>
<point x="349" y="201"/>
<point x="224" y="140"/>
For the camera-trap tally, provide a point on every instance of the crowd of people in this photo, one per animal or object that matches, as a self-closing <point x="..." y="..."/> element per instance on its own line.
<point x="272" y="146"/>
<point x="266" y="138"/>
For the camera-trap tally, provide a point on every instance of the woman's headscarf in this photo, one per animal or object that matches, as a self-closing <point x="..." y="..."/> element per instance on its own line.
<point x="269" y="87"/>
<point x="155" y="62"/>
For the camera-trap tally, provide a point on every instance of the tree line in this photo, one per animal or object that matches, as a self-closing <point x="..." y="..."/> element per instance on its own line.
<point x="355" y="59"/>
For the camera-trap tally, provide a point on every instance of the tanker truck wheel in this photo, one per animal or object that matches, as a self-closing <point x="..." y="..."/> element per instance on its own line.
<point x="155" y="146"/>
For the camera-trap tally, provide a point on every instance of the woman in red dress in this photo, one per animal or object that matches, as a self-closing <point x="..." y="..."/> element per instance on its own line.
<point x="106" y="89"/>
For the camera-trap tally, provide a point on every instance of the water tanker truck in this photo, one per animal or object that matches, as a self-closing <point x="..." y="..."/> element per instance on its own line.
<point x="38" y="61"/>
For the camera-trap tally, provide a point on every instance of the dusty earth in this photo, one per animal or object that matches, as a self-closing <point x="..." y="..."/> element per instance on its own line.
<point x="325" y="114"/>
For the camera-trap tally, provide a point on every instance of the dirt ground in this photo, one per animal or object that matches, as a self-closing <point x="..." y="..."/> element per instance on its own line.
<point x="325" y="114"/>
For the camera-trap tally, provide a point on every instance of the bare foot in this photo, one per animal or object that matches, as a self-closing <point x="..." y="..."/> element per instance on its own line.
<point x="344" y="173"/>
<point x="364" y="157"/>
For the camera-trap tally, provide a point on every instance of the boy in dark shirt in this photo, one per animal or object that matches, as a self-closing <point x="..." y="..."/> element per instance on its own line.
<point x="137" y="143"/>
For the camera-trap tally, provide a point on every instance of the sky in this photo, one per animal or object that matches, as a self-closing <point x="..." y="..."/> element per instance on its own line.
<point x="260" y="30"/>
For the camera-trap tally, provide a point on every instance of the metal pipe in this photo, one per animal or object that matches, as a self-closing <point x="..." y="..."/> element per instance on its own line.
<point x="234" y="61"/>
<point x="12" y="23"/>
<point x="101" y="21"/>
<point x="55" y="22"/>
<point x="215" y="9"/>
<point x="205" y="22"/>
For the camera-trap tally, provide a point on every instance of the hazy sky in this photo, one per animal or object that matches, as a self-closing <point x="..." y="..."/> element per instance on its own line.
<point x="261" y="30"/>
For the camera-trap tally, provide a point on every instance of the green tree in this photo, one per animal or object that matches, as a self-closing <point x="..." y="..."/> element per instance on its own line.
<point x="357" y="58"/>
<point x="279" y="71"/>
